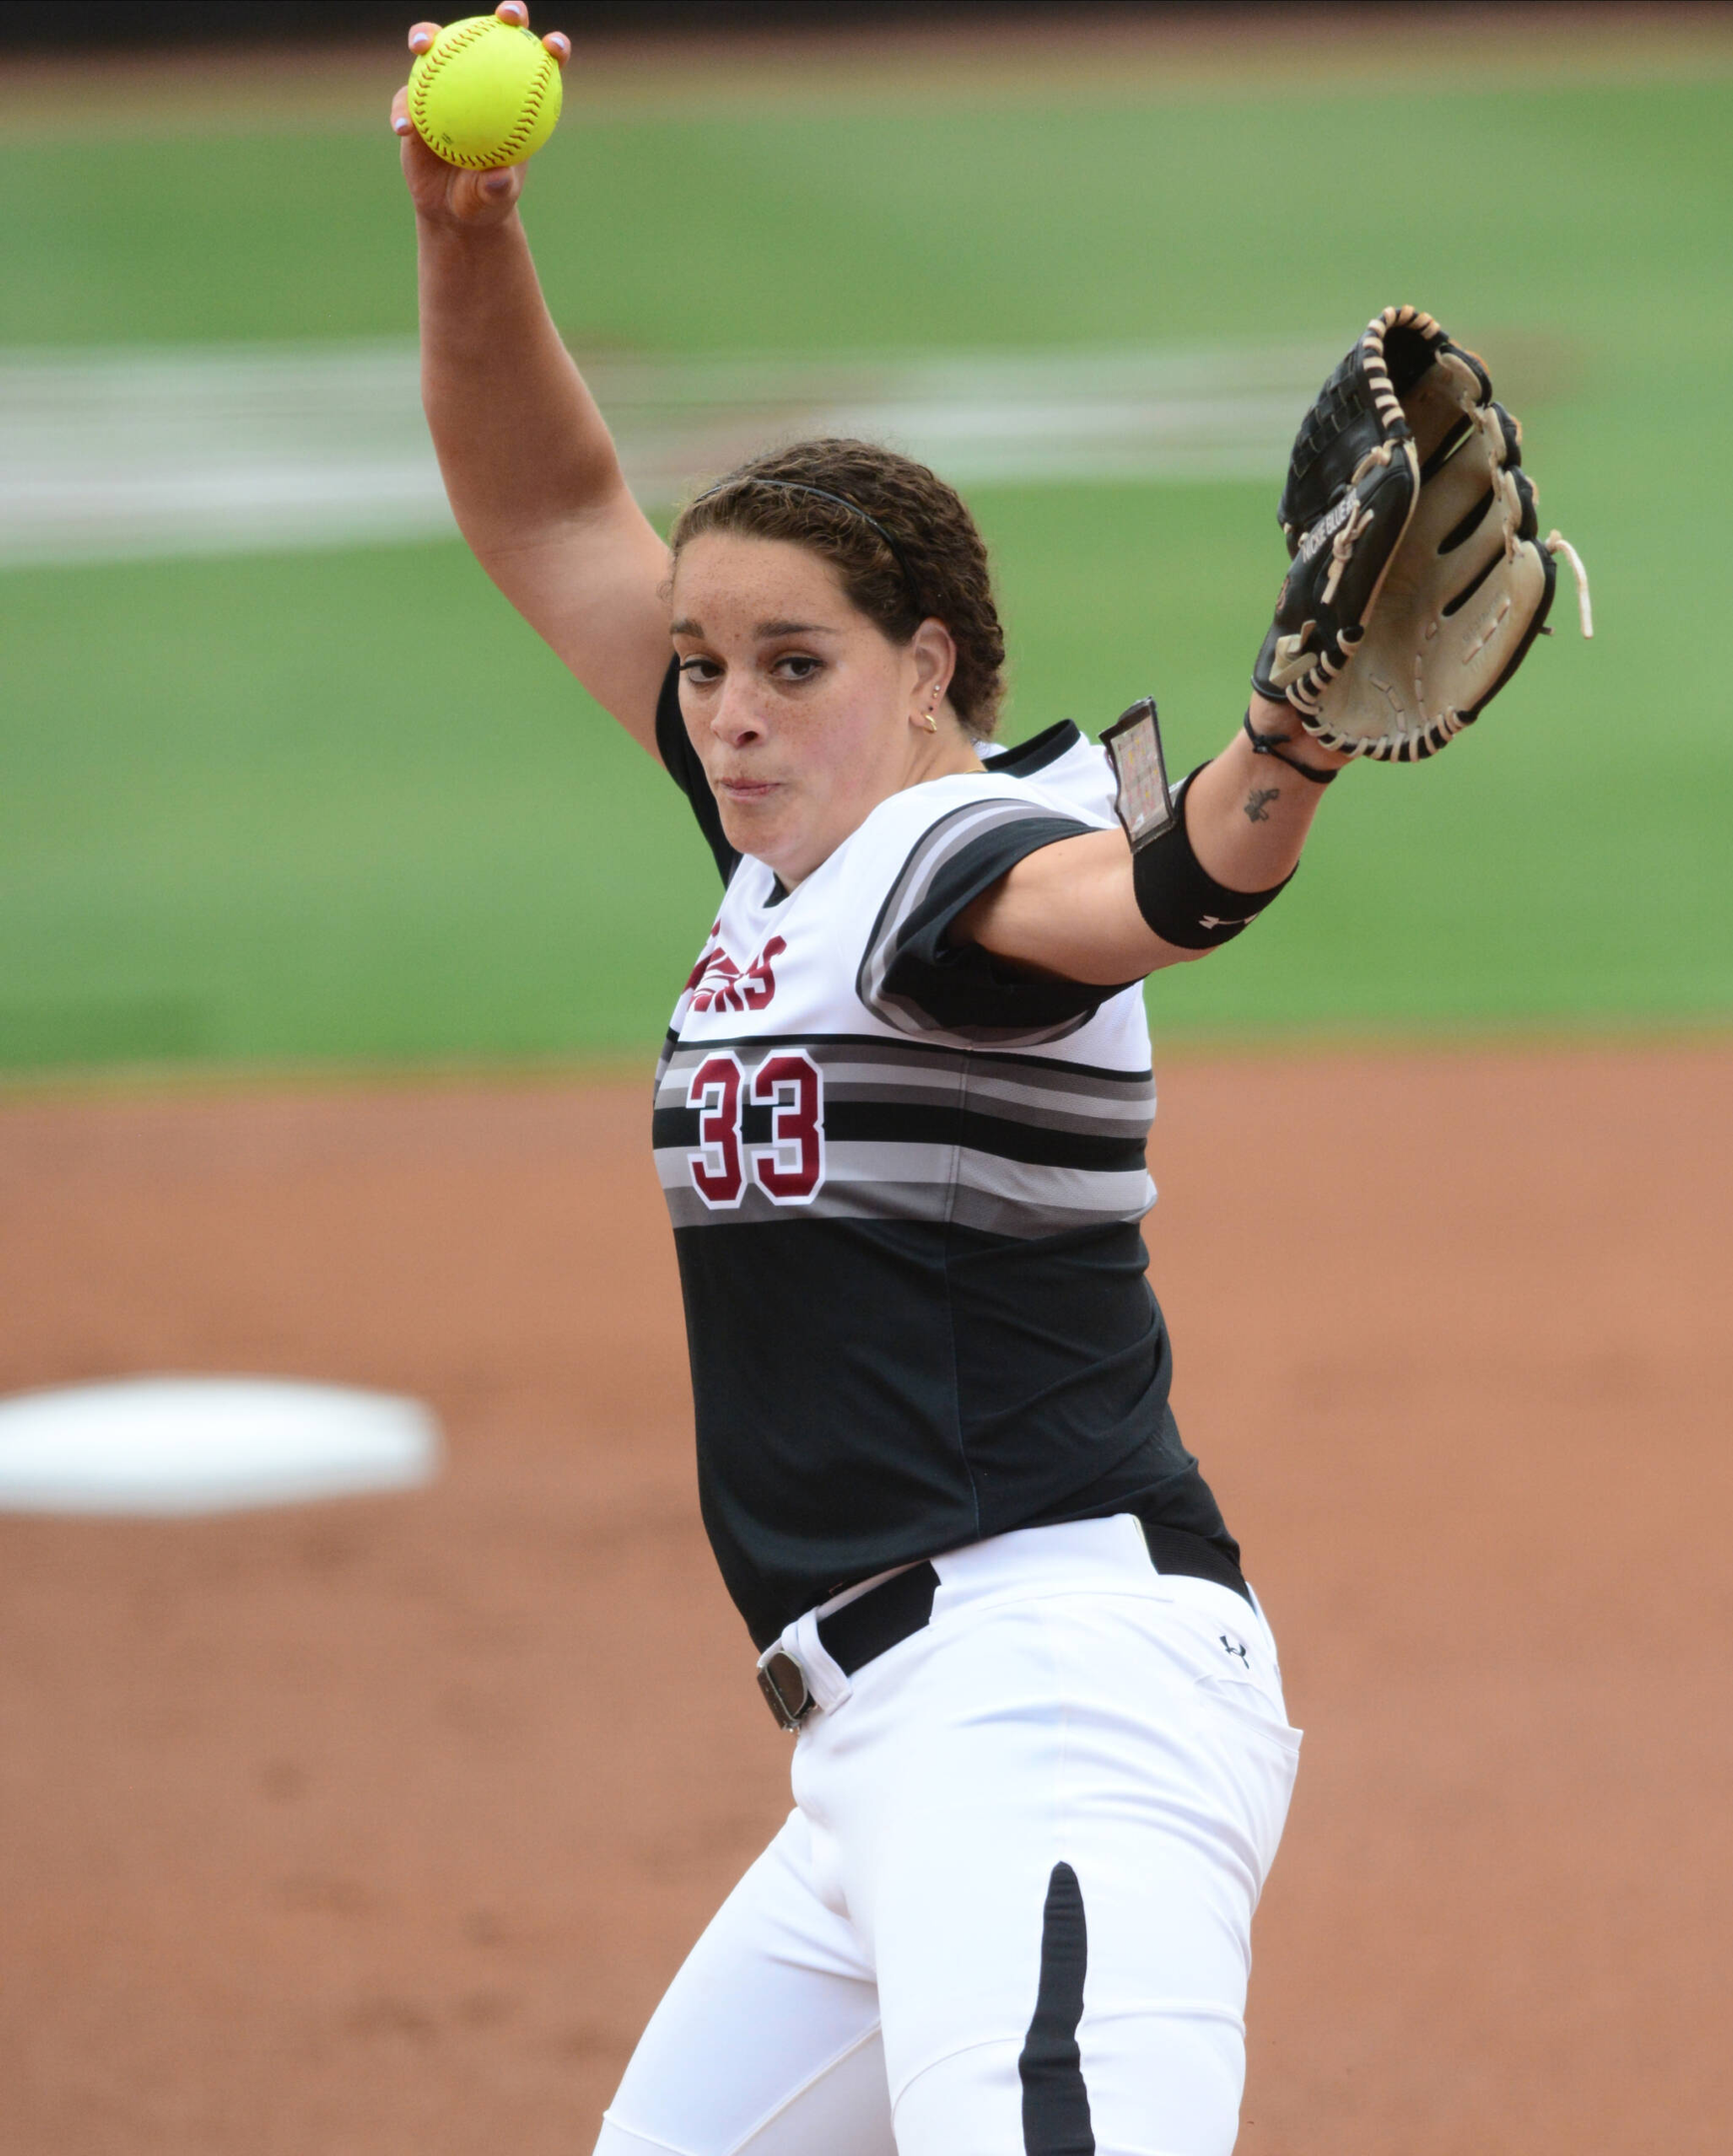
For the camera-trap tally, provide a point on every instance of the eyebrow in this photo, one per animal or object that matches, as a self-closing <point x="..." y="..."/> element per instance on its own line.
<point x="686" y="627"/>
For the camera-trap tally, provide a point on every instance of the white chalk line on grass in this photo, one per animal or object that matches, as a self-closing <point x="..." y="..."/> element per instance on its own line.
<point x="111" y="455"/>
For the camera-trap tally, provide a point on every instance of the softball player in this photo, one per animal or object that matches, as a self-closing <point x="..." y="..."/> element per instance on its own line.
<point x="1041" y="1760"/>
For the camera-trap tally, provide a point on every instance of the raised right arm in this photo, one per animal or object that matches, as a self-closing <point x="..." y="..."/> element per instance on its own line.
<point x="528" y="464"/>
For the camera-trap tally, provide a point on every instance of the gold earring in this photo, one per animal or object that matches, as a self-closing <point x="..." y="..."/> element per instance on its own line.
<point x="929" y="721"/>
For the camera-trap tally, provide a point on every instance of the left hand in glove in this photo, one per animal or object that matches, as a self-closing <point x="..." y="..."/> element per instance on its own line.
<point x="1418" y="581"/>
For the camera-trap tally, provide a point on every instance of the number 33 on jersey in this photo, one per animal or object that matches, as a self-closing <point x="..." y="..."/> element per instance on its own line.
<point x="790" y="1168"/>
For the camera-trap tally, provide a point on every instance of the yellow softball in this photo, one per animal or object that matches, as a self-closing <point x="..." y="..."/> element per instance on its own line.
<point x="484" y="93"/>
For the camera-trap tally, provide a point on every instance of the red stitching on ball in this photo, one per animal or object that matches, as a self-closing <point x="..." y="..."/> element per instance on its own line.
<point x="433" y="60"/>
<point x="531" y="113"/>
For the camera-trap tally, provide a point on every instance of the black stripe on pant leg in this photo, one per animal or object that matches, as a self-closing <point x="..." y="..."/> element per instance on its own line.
<point x="1055" y="2101"/>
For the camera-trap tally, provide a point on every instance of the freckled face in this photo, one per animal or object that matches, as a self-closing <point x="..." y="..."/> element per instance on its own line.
<point x="796" y="704"/>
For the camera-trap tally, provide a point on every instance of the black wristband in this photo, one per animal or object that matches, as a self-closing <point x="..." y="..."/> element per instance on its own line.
<point x="1178" y="896"/>
<point x="1272" y="744"/>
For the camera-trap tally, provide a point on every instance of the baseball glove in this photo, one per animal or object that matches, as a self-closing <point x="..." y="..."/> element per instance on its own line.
<point x="1418" y="581"/>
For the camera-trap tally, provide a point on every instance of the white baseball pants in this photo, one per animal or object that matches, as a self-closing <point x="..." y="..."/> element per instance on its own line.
<point x="1010" y="1913"/>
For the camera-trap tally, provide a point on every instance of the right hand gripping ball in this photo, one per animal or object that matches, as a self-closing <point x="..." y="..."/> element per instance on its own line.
<point x="484" y="93"/>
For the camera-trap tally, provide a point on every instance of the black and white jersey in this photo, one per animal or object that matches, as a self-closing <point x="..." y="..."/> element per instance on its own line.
<point x="906" y="1184"/>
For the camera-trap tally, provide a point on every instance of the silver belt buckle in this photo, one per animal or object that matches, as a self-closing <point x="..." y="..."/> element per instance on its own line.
<point x="784" y="1685"/>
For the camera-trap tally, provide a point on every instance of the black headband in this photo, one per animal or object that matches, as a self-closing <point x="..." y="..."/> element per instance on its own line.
<point x="800" y="486"/>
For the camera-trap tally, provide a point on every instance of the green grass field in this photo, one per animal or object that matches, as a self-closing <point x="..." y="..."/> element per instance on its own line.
<point x="341" y="806"/>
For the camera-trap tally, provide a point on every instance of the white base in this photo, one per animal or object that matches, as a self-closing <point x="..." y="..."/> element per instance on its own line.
<point x="168" y="1445"/>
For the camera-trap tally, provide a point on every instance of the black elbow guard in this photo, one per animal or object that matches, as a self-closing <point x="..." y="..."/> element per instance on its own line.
<point x="1178" y="896"/>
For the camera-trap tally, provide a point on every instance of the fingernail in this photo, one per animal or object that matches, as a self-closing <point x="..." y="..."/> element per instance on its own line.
<point x="421" y="41"/>
<point x="400" y="126"/>
<point x="559" y="44"/>
<point x="496" y="182"/>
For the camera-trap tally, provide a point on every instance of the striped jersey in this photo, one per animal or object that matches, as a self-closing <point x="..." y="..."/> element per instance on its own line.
<point x="906" y="1183"/>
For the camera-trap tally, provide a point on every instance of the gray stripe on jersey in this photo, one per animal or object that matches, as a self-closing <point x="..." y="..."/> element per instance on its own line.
<point x="1068" y="1108"/>
<point x="917" y="1183"/>
<point x="1008" y="1101"/>
<point x="1000" y="1085"/>
<point x="1010" y="1197"/>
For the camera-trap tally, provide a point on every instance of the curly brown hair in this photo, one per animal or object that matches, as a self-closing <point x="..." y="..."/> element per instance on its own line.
<point x="902" y="545"/>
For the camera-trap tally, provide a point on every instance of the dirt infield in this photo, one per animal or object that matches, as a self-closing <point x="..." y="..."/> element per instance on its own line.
<point x="375" y="1828"/>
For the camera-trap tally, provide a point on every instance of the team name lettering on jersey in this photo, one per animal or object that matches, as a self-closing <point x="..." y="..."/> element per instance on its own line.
<point x="716" y="983"/>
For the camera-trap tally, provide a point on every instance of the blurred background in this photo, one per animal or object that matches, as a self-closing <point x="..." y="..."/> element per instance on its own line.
<point x="284" y="781"/>
<point x="337" y="930"/>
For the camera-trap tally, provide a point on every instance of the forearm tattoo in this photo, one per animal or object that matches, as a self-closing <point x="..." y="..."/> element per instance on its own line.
<point x="1258" y="803"/>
